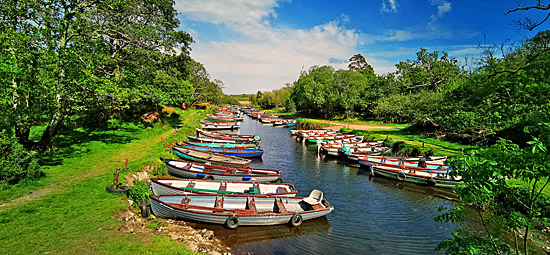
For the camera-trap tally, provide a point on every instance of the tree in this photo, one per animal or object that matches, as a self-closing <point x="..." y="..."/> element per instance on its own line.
<point x="86" y="57"/>
<point x="358" y="63"/>
<point x="204" y="89"/>
<point x="429" y="71"/>
<point x="528" y="23"/>
<point x="509" y="181"/>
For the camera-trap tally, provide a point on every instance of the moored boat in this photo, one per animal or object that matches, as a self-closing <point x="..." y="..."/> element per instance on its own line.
<point x="220" y="126"/>
<point x="214" y="140"/>
<point x="240" y="210"/>
<point x="216" y="135"/>
<point x="225" y="145"/>
<point x="237" y="152"/>
<point x="209" y="157"/>
<point x="414" y="172"/>
<point x="194" y="170"/>
<point x="165" y="186"/>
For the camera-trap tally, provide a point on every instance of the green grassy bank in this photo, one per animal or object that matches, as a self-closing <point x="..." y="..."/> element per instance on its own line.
<point x="69" y="212"/>
<point x="414" y="139"/>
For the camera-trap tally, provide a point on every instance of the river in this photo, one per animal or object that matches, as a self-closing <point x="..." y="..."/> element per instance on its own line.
<point x="371" y="215"/>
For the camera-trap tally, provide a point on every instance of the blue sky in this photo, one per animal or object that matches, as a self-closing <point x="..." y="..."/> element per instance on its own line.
<point x="254" y="45"/>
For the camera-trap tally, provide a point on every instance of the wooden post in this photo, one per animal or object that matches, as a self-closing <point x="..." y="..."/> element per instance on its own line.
<point x="115" y="178"/>
<point x="126" y="165"/>
<point x="151" y="154"/>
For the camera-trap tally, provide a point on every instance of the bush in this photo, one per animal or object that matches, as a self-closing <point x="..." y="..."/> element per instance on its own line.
<point x="139" y="191"/>
<point x="16" y="163"/>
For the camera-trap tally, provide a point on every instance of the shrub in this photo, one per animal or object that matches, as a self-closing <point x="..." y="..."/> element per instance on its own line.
<point x="139" y="191"/>
<point x="16" y="163"/>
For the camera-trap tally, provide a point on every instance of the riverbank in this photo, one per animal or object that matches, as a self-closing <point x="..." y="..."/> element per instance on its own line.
<point x="413" y="139"/>
<point x="68" y="211"/>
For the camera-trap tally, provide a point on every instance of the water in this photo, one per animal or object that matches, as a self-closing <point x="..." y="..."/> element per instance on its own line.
<point x="371" y="215"/>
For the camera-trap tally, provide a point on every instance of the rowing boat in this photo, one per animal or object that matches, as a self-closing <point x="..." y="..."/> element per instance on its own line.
<point x="209" y="157"/>
<point x="166" y="186"/>
<point x="239" y="210"/>
<point x="414" y="172"/>
<point x="194" y="170"/>
<point x="236" y="152"/>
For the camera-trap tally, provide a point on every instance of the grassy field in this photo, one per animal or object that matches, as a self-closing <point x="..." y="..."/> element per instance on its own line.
<point x="69" y="212"/>
<point x="413" y="139"/>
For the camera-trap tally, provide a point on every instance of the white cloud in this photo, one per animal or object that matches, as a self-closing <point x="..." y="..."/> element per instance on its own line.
<point x="443" y="7"/>
<point x="276" y="57"/>
<point x="227" y="11"/>
<point x="264" y="57"/>
<point x="390" y="7"/>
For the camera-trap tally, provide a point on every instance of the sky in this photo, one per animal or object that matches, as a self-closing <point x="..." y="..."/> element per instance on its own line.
<point x="261" y="45"/>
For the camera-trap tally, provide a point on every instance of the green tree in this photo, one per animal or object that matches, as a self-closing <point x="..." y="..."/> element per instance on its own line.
<point x="358" y="63"/>
<point x="429" y="71"/>
<point x="516" y="203"/>
<point x="87" y="56"/>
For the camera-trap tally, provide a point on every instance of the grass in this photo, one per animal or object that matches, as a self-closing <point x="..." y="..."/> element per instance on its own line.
<point x="69" y="211"/>
<point x="414" y="139"/>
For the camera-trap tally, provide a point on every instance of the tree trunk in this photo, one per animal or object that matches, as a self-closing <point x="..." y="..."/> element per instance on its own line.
<point x="22" y="135"/>
<point x="46" y="142"/>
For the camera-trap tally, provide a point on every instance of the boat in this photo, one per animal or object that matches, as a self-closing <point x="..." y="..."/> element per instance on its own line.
<point x="194" y="170"/>
<point x="414" y="172"/>
<point x="372" y="151"/>
<point x="313" y="139"/>
<point x="209" y="157"/>
<point x="225" y="145"/>
<point x="237" y="137"/>
<point x="211" y="126"/>
<point x="241" y="210"/>
<point x="292" y="124"/>
<point x="237" y="152"/>
<point x="166" y="186"/>
<point x="214" y="140"/>
<point x="432" y="160"/>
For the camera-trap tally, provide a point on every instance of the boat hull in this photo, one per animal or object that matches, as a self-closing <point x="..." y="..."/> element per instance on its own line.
<point x="160" y="205"/>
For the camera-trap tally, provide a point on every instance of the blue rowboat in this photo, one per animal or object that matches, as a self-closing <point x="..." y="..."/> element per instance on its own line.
<point x="209" y="157"/>
<point x="289" y="124"/>
<point x="236" y="152"/>
<point x="226" y="145"/>
<point x="213" y="140"/>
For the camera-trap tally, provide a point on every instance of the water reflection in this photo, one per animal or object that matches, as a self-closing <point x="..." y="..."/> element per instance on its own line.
<point x="253" y="234"/>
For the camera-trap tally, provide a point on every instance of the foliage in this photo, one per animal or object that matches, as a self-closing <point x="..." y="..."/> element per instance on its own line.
<point x="140" y="191"/>
<point x="429" y="71"/>
<point x="358" y="63"/>
<point x="16" y="163"/>
<point x="327" y="92"/>
<point x="84" y="62"/>
<point x="205" y="90"/>
<point x="487" y="187"/>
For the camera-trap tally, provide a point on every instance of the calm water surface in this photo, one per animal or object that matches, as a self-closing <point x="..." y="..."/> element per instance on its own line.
<point x="371" y="215"/>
